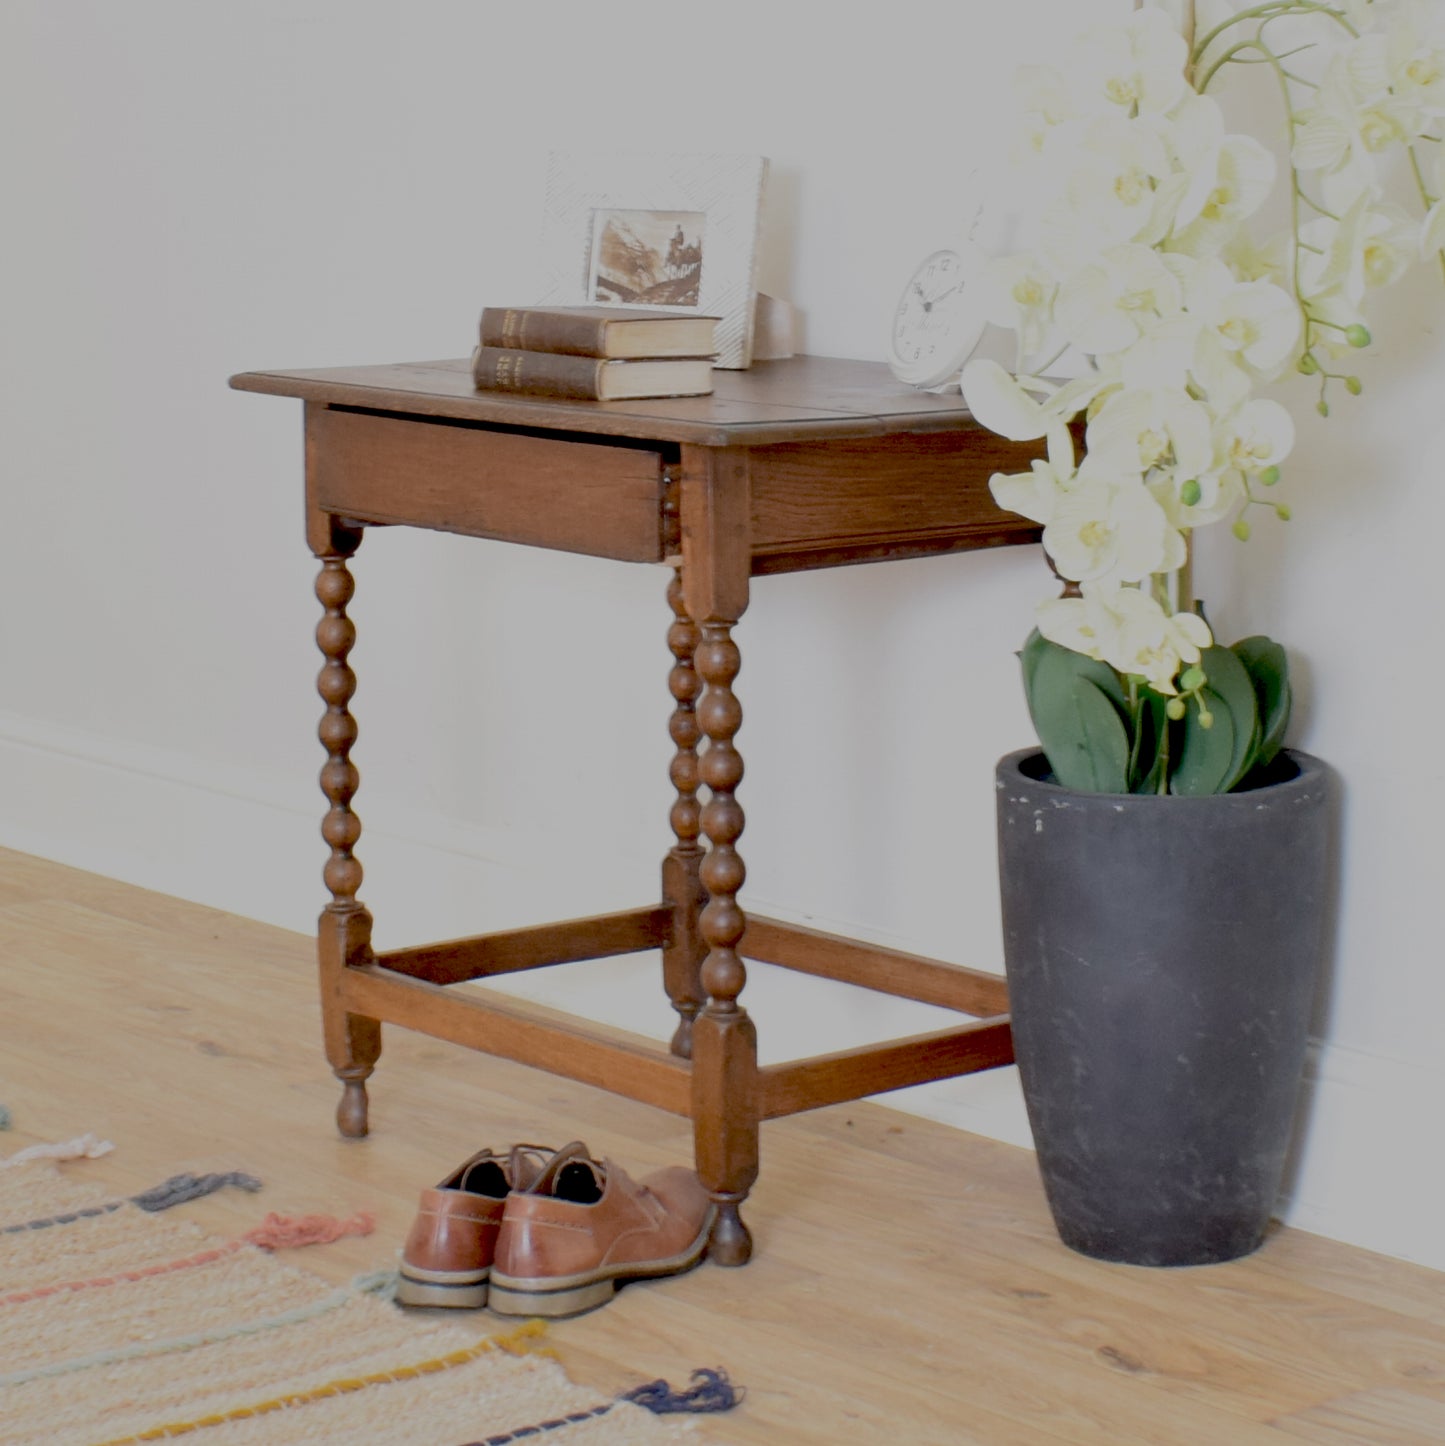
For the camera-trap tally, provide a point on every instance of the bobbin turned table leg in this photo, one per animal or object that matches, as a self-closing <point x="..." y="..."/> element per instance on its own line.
<point x="353" y="1041"/>
<point x="716" y="550"/>
<point x="725" y="1043"/>
<point x="682" y="888"/>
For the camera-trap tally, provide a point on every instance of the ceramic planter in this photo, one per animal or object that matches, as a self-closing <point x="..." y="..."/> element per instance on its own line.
<point x="1162" y="957"/>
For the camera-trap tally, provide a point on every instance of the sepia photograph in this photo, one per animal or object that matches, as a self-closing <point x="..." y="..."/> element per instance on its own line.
<point x="647" y="258"/>
<point x="631" y="229"/>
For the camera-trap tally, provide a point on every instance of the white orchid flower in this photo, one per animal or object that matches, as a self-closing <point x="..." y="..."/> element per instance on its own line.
<point x="1045" y="102"/>
<point x="1126" y="628"/>
<point x="1110" y="529"/>
<point x="1042" y="90"/>
<point x="1115" y="169"/>
<point x="1195" y="138"/>
<point x="1105" y="307"/>
<point x="1343" y="125"/>
<point x="1141" y="263"/>
<point x="1164" y="354"/>
<point x="1134" y="67"/>
<point x="998" y="402"/>
<point x="1391" y="244"/>
<point x="1018" y="292"/>
<point x="1086" y="624"/>
<point x="1332" y="255"/>
<point x="1251" y="262"/>
<point x="1334" y="314"/>
<point x="1369" y="246"/>
<point x="1242" y="179"/>
<point x="1155" y="644"/>
<point x="1407" y="59"/>
<point x="1257" y="435"/>
<point x="1035" y="494"/>
<point x="1142" y="429"/>
<point x="1197" y="501"/>
<point x="1256" y="321"/>
<point x="1218" y="372"/>
<point x="1005" y="404"/>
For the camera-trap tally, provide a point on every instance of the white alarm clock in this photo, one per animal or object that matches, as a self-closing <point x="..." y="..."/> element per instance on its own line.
<point x="938" y="321"/>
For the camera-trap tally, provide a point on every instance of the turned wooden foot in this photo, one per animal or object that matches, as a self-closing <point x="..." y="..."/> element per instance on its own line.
<point x="351" y="1113"/>
<point x="731" y="1242"/>
<point x="681" y="1042"/>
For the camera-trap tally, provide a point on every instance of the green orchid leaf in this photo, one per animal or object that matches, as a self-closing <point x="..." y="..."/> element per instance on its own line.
<point x="1034" y="648"/>
<point x="1079" y="719"/>
<point x="1268" y="666"/>
<point x="1230" y="681"/>
<point x="1206" y="759"/>
<point x="1092" y="755"/>
<point x="1038" y="652"/>
<point x="1273" y="727"/>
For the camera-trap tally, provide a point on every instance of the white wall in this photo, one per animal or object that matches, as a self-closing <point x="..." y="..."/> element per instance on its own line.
<point x="195" y="190"/>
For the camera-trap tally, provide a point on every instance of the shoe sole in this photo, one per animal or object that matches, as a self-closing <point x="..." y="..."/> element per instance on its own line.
<point x="564" y="1295"/>
<point x="458" y="1289"/>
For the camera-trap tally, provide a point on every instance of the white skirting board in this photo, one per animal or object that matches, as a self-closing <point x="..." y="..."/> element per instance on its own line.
<point x="1364" y="1169"/>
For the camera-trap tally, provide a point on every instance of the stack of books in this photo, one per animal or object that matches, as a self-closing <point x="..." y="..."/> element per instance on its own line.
<point x="597" y="353"/>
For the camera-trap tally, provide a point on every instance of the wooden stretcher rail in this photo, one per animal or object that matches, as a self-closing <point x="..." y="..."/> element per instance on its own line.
<point x="852" y="1074"/>
<point x="889" y="971"/>
<point x="517" y="1029"/>
<point x="483" y="956"/>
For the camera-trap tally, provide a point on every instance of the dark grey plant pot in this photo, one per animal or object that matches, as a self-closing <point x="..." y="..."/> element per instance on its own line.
<point x="1162" y="957"/>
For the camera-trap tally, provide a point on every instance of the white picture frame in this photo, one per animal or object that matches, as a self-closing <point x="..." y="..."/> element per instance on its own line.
<point x="668" y="232"/>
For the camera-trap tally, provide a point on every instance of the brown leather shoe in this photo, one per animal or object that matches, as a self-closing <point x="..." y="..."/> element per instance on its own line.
<point x="584" y="1226"/>
<point x="447" y="1258"/>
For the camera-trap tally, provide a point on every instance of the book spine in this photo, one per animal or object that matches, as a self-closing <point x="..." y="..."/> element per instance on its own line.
<point x="537" y="373"/>
<point x="526" y="330"/>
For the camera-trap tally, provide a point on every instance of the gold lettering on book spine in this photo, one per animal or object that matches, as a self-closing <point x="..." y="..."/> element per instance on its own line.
<point x="507" y="372"/>
<point x="514" y="328"/>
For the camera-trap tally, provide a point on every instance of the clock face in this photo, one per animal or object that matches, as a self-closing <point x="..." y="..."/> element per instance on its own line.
<point x="935" y="324"/>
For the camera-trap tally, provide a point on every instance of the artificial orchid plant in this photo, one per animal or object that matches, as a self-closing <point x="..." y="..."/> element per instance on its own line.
<point x="1141" y="261"/>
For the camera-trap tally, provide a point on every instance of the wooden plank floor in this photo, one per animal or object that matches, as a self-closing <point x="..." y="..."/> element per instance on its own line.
<point x="907" y="1287"/>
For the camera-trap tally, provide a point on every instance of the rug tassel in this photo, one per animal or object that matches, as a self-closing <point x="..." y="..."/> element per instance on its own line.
<point x="181" y="1188"/>
<point x="278" y="1232"/>
<point x="710" y="1391"/>
<point x="83" y="1147"/>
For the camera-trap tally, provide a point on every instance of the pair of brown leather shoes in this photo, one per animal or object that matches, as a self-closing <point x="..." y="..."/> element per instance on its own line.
<point x="549" y="1233"/>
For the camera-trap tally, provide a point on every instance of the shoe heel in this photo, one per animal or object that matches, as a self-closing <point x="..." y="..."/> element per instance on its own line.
<point x="552" y="1304"/>
<point x="459" y="1295"/>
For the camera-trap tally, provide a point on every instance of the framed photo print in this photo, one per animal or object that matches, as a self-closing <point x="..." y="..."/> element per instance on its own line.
<point x="663" y="232"/>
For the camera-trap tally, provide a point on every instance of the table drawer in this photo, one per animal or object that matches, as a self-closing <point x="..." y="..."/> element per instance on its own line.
<point x="575" y="496"/>
<point x="888" y="493"/>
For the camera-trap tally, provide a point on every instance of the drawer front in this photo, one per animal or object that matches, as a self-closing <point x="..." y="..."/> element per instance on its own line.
<point x="515" y="487"/>
<point x="865" y="493"/>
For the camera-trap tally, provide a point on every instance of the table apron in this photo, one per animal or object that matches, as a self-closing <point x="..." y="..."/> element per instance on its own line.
<point x="588" y="497"/>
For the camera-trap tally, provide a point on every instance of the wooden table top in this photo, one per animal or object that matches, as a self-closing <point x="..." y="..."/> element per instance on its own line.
<point x="801" y="399"/>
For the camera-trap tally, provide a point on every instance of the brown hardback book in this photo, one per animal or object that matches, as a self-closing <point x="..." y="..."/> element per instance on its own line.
<point x="548" y="374"/>
<point x="603" y="331"/>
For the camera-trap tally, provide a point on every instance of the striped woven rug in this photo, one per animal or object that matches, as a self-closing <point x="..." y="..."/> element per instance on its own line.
<point x="119" y="1326"/>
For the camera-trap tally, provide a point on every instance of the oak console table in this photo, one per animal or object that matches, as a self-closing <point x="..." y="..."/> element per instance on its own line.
<point x="792" y="465"/>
